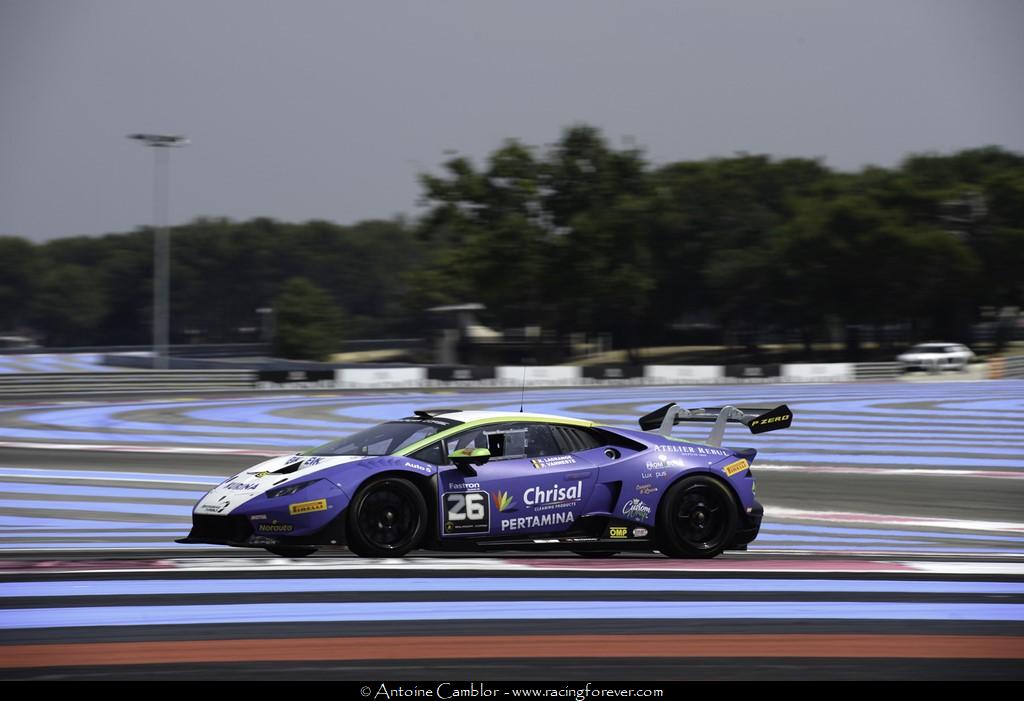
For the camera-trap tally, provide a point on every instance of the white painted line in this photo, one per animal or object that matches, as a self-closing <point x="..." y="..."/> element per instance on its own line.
<point x="116" y="448"/>
<point x="267" y="564"/>
<point x="782" y="513"/>
<point x="987" y="568"/>
<point x="889" y="471"/>
<point x="200" y="480"/>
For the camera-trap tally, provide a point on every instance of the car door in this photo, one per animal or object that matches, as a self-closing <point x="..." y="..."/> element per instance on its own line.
<point x="529" y="486"/>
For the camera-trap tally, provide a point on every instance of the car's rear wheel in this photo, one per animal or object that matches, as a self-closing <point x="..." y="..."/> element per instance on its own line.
<point x="284" y="551"/>
<point x="387" y="518"/>
<point x="696" y="518"/>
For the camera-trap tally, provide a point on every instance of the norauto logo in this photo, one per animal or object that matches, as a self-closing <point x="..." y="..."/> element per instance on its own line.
<point x="275" y="527"/>
<point x="502" y="500"/>
<point x="305" y="507"/>
<point x="552" y="495"/>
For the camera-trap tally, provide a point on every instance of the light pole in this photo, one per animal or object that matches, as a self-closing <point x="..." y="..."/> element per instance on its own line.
<point x="161" y="241"/>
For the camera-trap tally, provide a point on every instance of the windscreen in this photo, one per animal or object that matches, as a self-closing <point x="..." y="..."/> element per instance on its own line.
<point x="383" y="439"/>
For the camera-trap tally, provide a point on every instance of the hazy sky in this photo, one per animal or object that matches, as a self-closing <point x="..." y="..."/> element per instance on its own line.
<point x="327" y="110"/>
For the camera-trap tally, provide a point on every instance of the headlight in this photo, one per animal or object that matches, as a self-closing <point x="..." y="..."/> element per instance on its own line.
<point x="288" y="489"/>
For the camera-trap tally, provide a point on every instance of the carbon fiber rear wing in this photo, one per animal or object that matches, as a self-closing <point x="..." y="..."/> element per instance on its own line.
<point x="758" y="420"/>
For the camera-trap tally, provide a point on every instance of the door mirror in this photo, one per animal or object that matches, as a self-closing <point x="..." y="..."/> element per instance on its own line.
<point x="465" y="458"/>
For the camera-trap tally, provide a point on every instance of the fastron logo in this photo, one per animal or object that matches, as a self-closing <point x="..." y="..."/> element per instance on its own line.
<point x="502" y="500"/>
<point x="553" y="495"/>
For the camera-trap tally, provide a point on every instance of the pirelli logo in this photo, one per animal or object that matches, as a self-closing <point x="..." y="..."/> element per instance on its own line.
<point x="735" y="468"/>
<point x="305" y="507"/>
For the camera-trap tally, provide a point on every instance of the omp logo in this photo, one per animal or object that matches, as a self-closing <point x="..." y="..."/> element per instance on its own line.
<point x="735" y="467"/>
<point x="259" y="475"/>
<point x="502" y="500"/>
<point x="618" y="532"/>
<point x="305" y="507"/>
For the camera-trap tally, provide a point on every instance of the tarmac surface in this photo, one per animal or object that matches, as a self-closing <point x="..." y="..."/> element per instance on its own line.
<point x="893" y="548"/>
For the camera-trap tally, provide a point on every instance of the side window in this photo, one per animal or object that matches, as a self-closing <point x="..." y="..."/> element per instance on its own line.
<point x="507" y="441"/>
<point x="432" y="454"/>
<point x="574" y="439"/>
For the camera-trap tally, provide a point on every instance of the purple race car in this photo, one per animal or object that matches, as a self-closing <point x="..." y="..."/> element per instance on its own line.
<point x="446" y="479"/>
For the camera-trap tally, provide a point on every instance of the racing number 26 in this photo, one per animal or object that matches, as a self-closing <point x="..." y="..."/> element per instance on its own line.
<point x="467" y="507"/>
<point x="466" y="512"/>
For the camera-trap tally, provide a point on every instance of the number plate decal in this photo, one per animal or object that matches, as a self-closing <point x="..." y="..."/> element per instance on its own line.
<point x="466" y="512"/>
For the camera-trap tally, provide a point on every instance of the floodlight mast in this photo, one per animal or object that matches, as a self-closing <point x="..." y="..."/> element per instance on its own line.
<point x="161" y="242"/>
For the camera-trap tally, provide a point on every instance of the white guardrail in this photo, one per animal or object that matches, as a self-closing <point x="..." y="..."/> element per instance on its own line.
<point x="136" y="382"/>
<point x="1011" y="367"/>
<point x="13" y="385"/>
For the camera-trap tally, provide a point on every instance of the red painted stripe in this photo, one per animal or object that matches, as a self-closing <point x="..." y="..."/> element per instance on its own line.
<point x="515" y="646"/>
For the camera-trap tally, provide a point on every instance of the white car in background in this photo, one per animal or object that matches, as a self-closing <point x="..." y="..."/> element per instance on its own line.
<point x="936" y="356"/>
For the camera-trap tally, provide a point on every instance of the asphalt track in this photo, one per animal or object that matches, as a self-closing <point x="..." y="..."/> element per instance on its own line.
<point x="893" y="548"/>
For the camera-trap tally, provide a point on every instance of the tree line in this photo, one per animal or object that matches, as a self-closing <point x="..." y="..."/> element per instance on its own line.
<point x="577" y="237"/>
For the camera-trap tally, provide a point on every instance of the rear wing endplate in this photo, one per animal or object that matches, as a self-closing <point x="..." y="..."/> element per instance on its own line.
<point x="758" y="420"/>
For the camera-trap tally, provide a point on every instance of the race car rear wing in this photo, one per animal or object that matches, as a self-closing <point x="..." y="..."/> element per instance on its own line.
<point x="758" y="420"/>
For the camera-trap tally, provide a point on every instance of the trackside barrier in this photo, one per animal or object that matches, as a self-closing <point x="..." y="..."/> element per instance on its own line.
<point x="818" y="372"/>
<point x="380" y="377"/>
<point x="1011" y="367"/>
<point x="542" y="375"/>
<point x="876" y="371"/>
<point x="49" y="384"/>
<point x="148" y="381"/>
<point x="683" y="374"/>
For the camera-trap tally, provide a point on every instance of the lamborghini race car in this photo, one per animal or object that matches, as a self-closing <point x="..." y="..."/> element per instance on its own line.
<point x="445" y="479"/>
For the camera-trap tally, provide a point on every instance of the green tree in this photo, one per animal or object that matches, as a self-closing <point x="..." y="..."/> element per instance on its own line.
<point x="69" y="306"/>
<point x="308" y="322"/>
<point x="19" y="271"/>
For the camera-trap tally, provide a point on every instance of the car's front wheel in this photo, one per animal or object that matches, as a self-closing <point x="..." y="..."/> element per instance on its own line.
<point x="387" y="518"/>
<point x="696" y="518"/>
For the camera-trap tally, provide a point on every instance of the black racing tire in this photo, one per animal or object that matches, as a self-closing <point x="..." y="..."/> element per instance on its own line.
<point x="596" y="553"/>
<point x="286" y="551"/>
<point x="697" y="517"/>
<point x="387" y="518"/>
